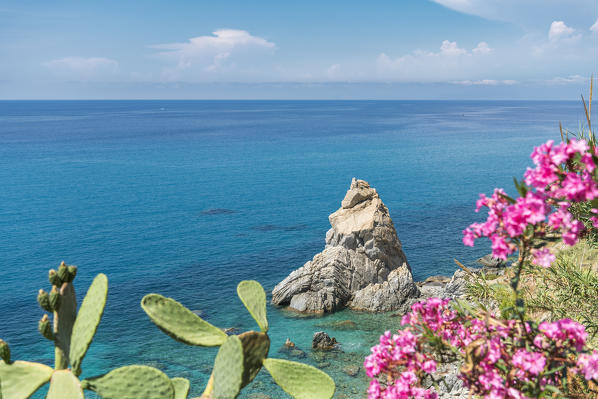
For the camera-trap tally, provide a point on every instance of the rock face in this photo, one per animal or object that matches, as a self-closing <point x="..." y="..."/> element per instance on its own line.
<point x="362" y="249"/>
<point x="322" y="341"/>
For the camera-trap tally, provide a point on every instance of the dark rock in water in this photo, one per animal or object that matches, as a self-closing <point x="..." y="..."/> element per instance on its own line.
<point x="218" y="211"/>
<point x="273" y="227"/>
<point x="490" y="261"/>
<point x="351" y="370"/>
<point x="230" y="330"/>
<point x="362" y="266"/>
<point x="298" y="353"/>
<point x="323" y="365"/>
<point x="342" y="325"/>
<point x="322" y="341"/>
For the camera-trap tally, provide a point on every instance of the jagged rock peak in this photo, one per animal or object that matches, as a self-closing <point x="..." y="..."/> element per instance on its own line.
<point x="362" y="249"/>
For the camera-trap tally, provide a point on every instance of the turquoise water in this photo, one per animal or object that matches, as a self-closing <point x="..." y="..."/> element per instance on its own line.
<point x="129" y="188"/>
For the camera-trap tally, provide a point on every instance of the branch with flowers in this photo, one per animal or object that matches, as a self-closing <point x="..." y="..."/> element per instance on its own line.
<point x="504" y="358"/>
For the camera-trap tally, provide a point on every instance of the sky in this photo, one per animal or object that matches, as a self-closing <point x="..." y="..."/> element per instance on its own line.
<point x="400" y="49"/>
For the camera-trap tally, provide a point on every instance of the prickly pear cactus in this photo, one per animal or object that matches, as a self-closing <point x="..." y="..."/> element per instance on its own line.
<point x="181" y="323"/>
<point x="87" y="320"/>
<point x="72" y="334"/>
<point x="132" y="382"/>
<point x="241" y="357"/>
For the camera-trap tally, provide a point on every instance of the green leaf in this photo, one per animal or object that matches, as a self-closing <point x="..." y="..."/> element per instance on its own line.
<point x="253" y="297"/>
<point x="300" y="380"/>
<point x="181" y="323"/>
<point x="181" y="387"/>
<point x="255" y="349"/>
<point x="132" y="382"/>
<point x="87" y="321"/>
<point x="19" y="380"/>
<point x="63" y="385"/>
<point x="228" y="369"/>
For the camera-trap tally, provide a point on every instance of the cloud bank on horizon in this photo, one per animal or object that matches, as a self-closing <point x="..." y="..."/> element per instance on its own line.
<point x="534" y="42"/>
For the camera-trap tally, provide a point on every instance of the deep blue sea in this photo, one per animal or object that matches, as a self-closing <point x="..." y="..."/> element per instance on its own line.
<point x="187" y="198"/>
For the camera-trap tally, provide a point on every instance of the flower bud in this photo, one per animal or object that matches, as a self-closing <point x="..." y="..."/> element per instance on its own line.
<point x="72" y="272"/>
<point x="54" y="279"/>
<point x="45" y="329"/>
<point x="63" y="272"/>
<point x="44" y="300"/>
<point x="55" y="299"/>
<point x="4" y="352"/>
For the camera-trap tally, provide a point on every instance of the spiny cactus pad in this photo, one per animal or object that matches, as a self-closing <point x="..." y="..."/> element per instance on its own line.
<point x="253" y="297"/>
<point x="132" y="382"/>
<point x="19" y="380"/>
<point x="87" y="321"/>
<point x="181" y="323"/>
<point x="255" y="349"/>
<point x="228" y="369"/>
<point x="64" y="385"/>
<point x="300" y="380"/>
<point x="181" y="387"/>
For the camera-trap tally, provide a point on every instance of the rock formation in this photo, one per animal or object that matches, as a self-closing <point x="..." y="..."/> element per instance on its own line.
<point x="362" y="265"/>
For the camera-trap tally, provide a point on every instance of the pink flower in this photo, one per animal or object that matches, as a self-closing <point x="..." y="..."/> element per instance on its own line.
<point x="543" y="257"/>
<point x="588" y="365"/>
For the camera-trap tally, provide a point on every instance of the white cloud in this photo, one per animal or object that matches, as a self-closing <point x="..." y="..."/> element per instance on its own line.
<point x="451" y="48"/>
<point x="594" y="28"/>
<point x="83" y="68"/>
<point x="482" y="48"/>
<point x="558" y="30"/>
<point x="485" y="82"/>
<point x="527" y="13"/>
<point x="226" y="51"/>
<point x="571" y="79"/>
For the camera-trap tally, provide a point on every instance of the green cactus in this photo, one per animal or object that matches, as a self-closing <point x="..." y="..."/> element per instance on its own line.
<point x="181" y="323"/>
<point x="63" y="385"/>
<point x="72" y="334"/>
<point x="19" y="380"/>
<point x="253" y="297"/>
<point x="241" y="357"/>
<point x="87" y="321"/>
<point x="228" y="369"/>
<point x="132" y="382"/>
<point x="181" y="387"/>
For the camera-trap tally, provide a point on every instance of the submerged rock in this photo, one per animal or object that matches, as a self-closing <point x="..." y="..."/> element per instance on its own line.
<point x="322" y="341"/>
<point x="362" y="249"/>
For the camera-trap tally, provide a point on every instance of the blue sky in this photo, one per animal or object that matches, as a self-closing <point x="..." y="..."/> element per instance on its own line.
<point x="405" y="49"/>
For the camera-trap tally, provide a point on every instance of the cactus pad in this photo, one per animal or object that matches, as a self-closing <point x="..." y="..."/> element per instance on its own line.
<point x="253" y="297"/>
<point x="63" y="385"/>
<point x="19" y="380"/>
<point x="300" y="380"/>
<point x="87" y="320"/>
<point x="228" y="369"/>
<point x="132" y="382"/>
<point x="181" y="387"/>
<point x="181" y="323"/>
<point x="255" y="350"/>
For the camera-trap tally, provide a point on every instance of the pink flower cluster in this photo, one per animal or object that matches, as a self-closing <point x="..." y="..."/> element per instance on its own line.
<point x="563" y="174"/>
<point x="503" y="358"/>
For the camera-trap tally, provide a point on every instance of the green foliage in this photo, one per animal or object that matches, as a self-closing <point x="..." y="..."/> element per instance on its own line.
<point x="241" y="357"/>
<point x="132" y="382"/>
<point x="63" y="385"/>
<point x="228" y="369"/>
<point x="181" y="387"/>
<point x="253" y="297"/>
<point x="72" y="334"/>
<point x="19" y="380"/>
<point x="181" y="323"/>
<point x="87" y="321"/>
<point x="300" y="380"/>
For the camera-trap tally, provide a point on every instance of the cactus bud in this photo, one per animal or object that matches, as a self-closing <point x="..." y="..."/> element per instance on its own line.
<point x="4" y="352"/>
<point x="44" y="300"/>
<point x="63" y="272"/>
<point x="55" y="299"/>
<point x="45" y="329"/>
<point x="72" y="273"/>
<point x="54" y="279"/>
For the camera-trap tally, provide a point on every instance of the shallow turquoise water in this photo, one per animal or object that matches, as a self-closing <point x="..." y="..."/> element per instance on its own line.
<point x="126" y="188"/>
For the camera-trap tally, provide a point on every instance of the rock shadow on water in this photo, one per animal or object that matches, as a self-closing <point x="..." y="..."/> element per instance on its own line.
<point x="217" y="211"/>
<point x="275" y="227"/>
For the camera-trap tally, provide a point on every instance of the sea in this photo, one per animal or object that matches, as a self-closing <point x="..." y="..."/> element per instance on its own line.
<point x="188" y="198"/>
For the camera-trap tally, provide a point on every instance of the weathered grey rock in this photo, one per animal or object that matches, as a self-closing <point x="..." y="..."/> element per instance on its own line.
<point x="351" y="370"/>
<point x="457" y="285"/>
<point x="362" y="248"/>
<point x="490" y="261"/>
<point x="391" y="295"/>
<point x="322" y="341"/>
